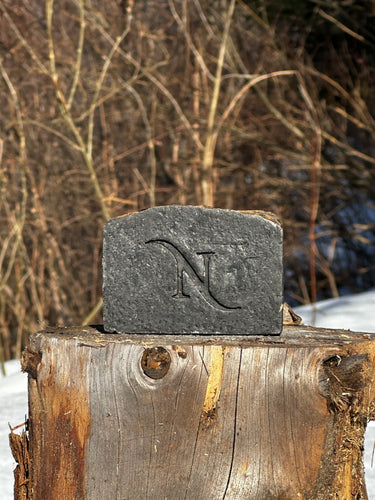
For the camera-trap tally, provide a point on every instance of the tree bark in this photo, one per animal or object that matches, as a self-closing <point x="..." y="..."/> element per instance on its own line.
<point x="188" y="417"/>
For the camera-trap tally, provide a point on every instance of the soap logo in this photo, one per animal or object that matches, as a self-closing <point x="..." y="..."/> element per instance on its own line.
<point x="200" y="282"/>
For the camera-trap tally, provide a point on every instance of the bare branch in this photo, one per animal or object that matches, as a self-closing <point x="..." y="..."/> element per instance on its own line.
<point x="77" y="66"/>
<point x="68" y="118"/>
<point x="189" y="41"/>
<point x="209" y="147"/>
<point x="24" y="43"/>
<point x="128" y="57"/>
<point x="341" y="26"/>
<point x="150" y="143"/>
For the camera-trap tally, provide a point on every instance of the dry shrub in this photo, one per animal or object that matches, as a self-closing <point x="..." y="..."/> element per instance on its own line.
<point x="110" y="107"/>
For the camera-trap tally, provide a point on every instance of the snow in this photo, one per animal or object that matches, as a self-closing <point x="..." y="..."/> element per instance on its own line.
<point x="354" y="312"/>
<point x="13" y="408"/>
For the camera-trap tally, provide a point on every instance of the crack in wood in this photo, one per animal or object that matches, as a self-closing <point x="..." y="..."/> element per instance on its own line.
<point x="234" y="427"/>
<point x="215" y="376"/>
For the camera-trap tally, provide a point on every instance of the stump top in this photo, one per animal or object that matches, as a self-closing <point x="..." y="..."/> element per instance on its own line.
<point x="291" y="336"/>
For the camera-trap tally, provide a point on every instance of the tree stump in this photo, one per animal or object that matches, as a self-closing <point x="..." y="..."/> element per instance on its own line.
<point x="187" y="417"/>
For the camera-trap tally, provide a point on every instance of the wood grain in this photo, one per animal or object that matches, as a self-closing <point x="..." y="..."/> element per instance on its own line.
<point x="233" y="418"/>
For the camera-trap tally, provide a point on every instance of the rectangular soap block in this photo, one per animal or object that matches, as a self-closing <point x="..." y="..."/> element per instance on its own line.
<point x="193" y="270"/>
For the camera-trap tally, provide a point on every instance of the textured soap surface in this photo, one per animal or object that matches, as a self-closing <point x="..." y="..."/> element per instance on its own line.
<point x="193" y="270"/>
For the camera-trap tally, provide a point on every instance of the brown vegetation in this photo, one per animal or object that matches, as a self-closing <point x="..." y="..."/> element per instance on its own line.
<point x="110" y="107"/>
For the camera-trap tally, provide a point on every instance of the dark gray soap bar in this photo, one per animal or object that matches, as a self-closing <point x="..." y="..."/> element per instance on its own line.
<point x="193" y="270"/>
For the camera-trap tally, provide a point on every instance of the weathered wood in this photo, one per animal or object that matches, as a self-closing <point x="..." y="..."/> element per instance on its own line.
<point x="20" y="450"/>
<point x="231" y="417"/>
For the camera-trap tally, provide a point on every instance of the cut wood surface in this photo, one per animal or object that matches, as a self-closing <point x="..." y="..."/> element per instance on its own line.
<point x="189" y="417"/>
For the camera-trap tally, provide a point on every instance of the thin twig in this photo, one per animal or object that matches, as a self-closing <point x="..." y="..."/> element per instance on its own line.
<point x="18" y="224"/>
<point x="341" y="26"/>
<point x="65" y="112"/>
<point x="78" y="63"/>
<point x="94" y="311"/>
<point x="147" y="73"/>
<point x="315" y="184"/>
<point x="25" y="44"/>
<point x="150" y="142"/>
<point x="189" y="41"/>
<point x="209" y="147"/>
<point x="100" y="81"/>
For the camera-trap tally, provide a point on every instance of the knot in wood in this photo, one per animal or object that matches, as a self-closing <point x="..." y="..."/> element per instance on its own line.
<point x="30" y="361"/>
<point x="155" y="362"/>
<point x="345" y="378"/>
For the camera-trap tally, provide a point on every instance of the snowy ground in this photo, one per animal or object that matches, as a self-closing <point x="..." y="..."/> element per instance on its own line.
<point x="13" y="408"/>
<point x="354" y="312"/>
